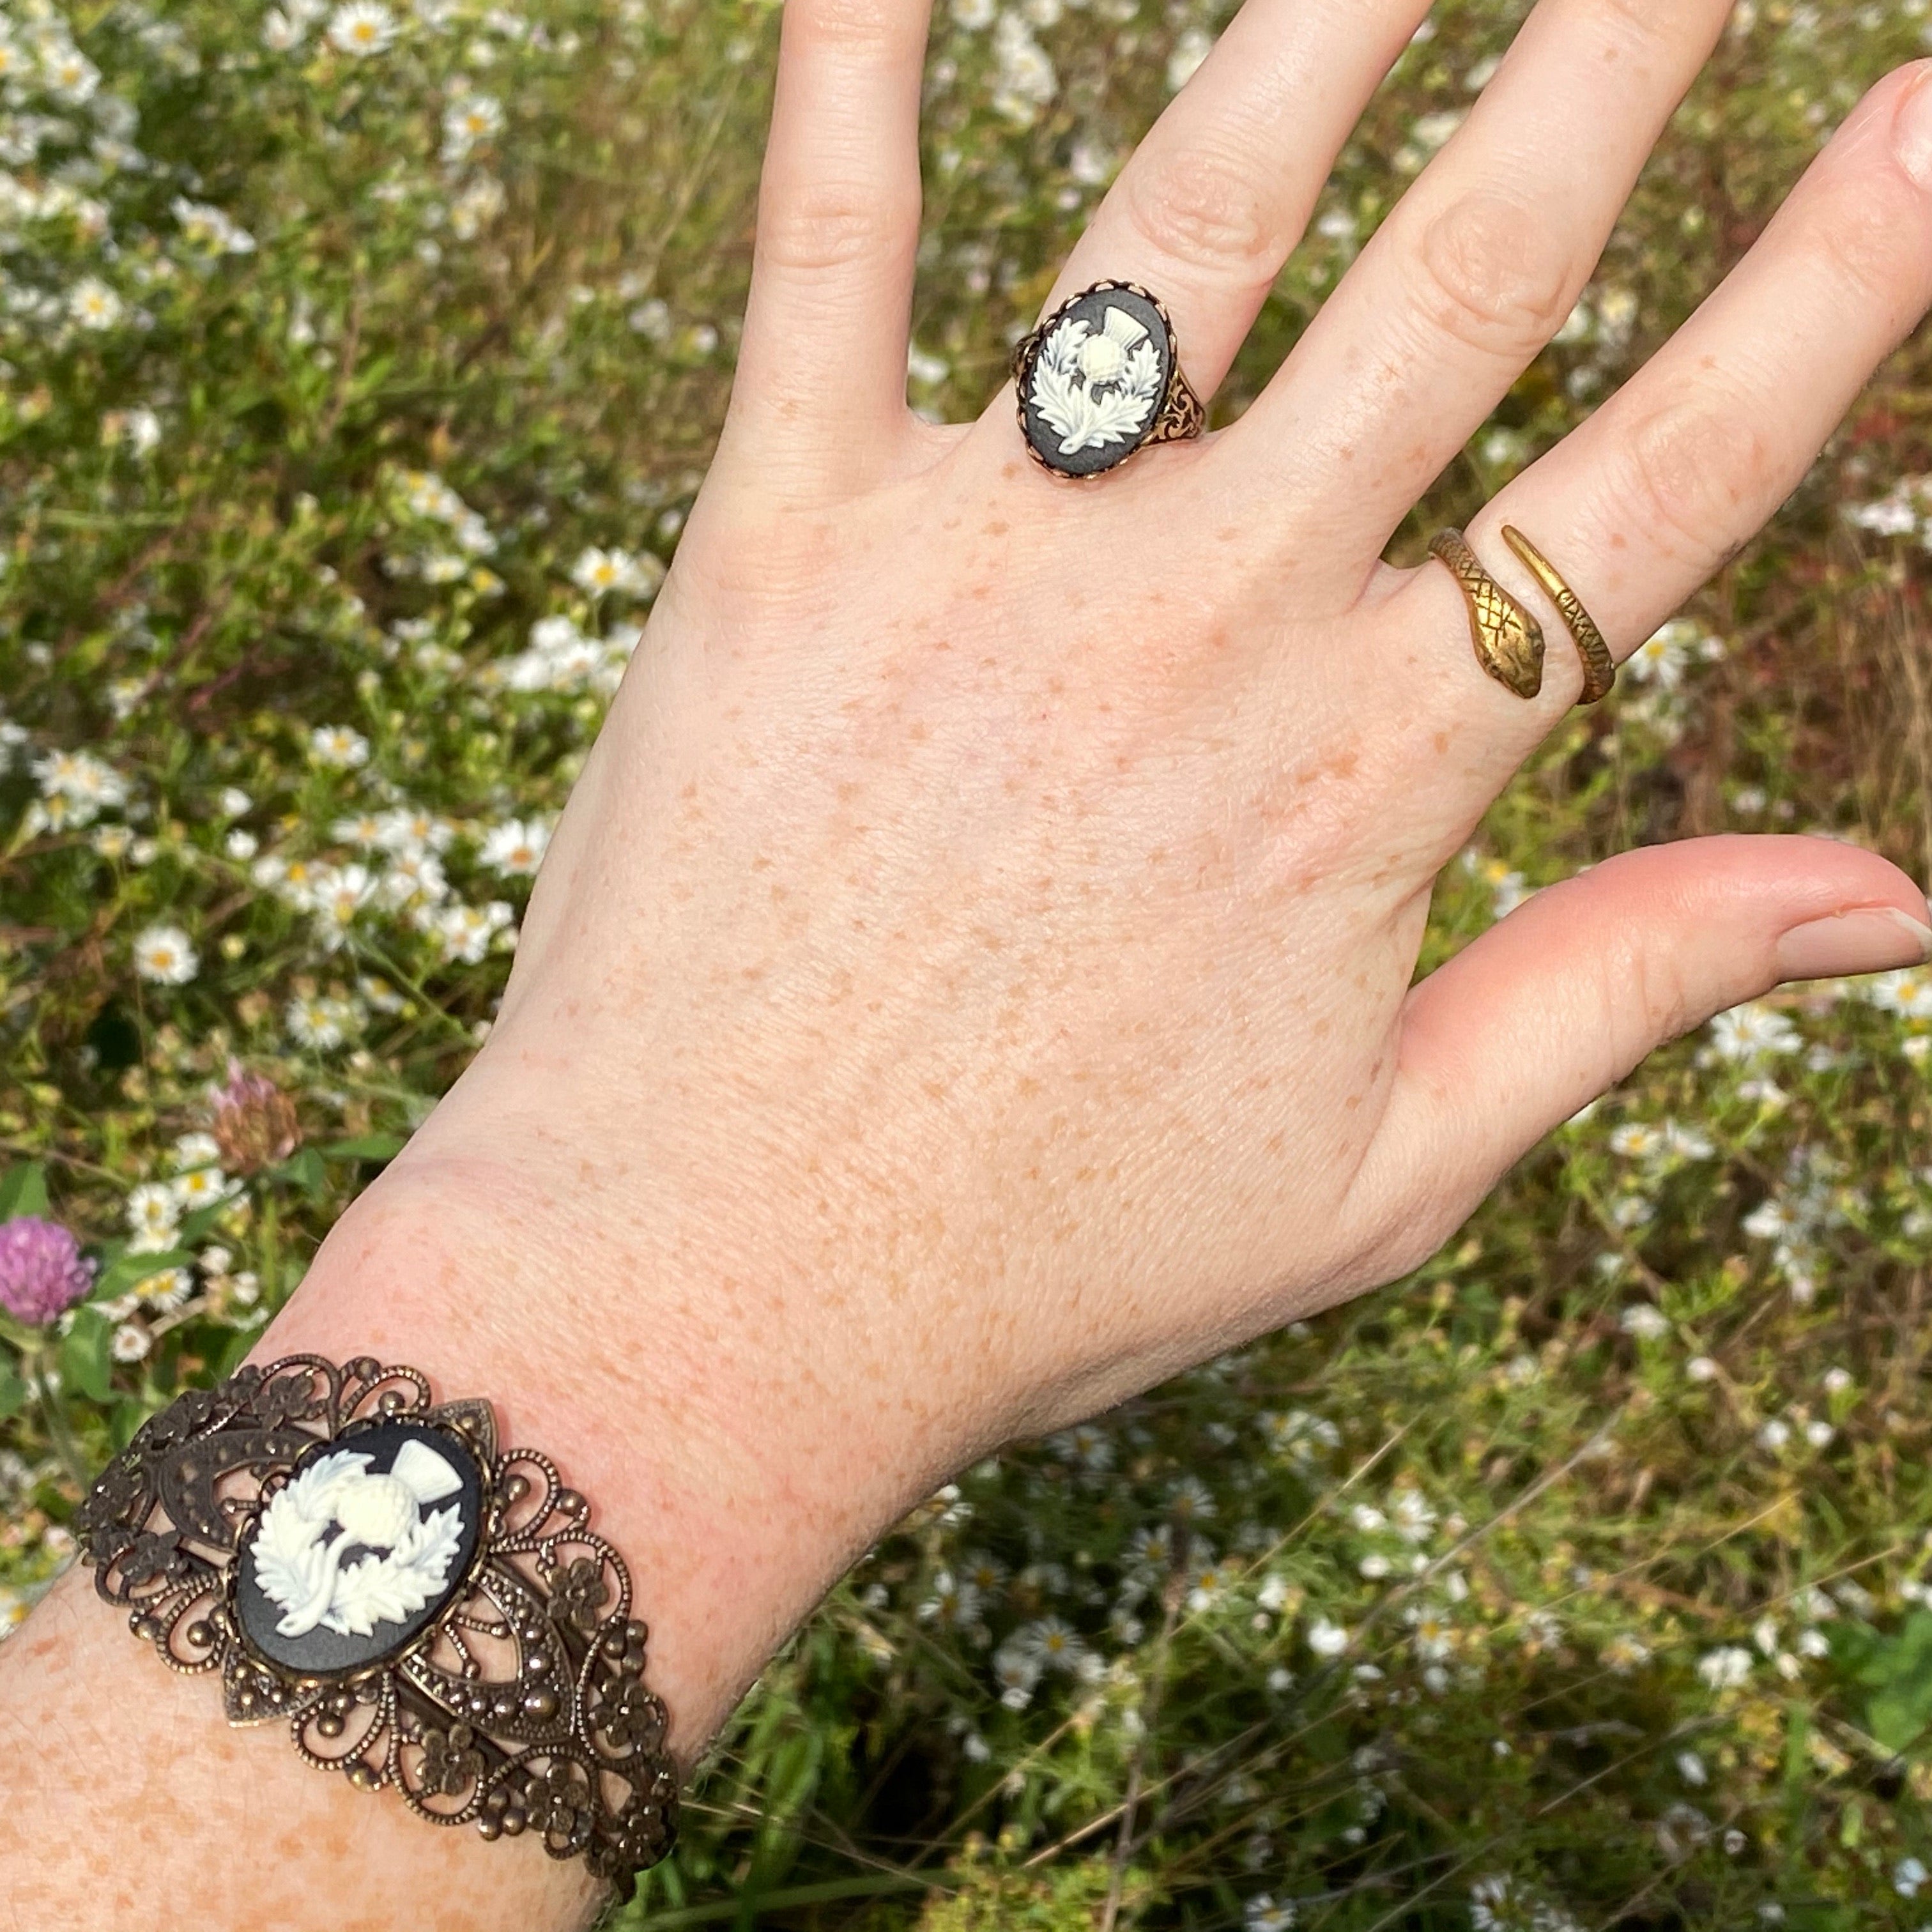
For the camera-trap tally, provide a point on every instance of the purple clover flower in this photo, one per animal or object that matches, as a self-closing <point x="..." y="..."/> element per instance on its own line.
<point x="41" y="1272"/>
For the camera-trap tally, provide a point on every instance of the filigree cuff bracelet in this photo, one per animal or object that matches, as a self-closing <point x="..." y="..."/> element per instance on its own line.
<point x="421" y="1608"/>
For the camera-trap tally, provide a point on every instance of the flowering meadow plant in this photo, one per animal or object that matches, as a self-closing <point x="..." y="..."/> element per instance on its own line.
<point x="358" y="363"/>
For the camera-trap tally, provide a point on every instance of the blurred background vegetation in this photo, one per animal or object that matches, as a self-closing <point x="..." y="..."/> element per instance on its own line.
<point x="358" y="363"/>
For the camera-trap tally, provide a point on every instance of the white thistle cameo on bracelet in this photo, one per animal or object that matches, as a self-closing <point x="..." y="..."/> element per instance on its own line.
<point x="1099" y="380"/>
<point x="360" y="1548"/>
<point x="423" y="1608"/>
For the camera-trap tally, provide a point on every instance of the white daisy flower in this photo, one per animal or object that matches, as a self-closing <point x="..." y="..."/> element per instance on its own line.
<point x="362" y="28"/>
<point x="130" y="1343"/>
<point x="364" y="830"/>
<point x="68" y="73"/>
<point x="1907" y="993"/>
<point x="1017" y="1668"/>
<point x="474" y="118"/>
<point x="409" y="832"/>
<point x="194" y="1150"/>
<point x="153" y="1215"/>
<point x="1889" y="517"/>
<point x="515" y="848"/>
<point x="1773" y="1220"/>
<point x="1326" y="1638"/>
<point x="82" y="778"/>
<point x="339" y="896"/>
<point x="479" y="204"/>
<point x="952" y="1605"/>
<point x="414" y="878"/>
<point x="1207" y="1584"/>
<point x="92" y="304"/>
<point x="1414" y="1517"/>
<point x="138" y="430"/>
<point x="201" y="1187"/>
<point x="1686" y="1143"/>
<point x="295" y="882"/>
<point x="1623" y="1653"/>
<point x="1054" y="1643"/>
<point x="1643" y="1321"/>
<point x="165" y="1291"/>
<point x="319" y="1022"/>
<point x="378" y="993"/>
<point x="1661" y="660"/>
<point x="338" y="747"/>
<point x="467" y="930"/>
<point x="1025" y="81"/>
<point x="1637" y="1140"/>
<point x="1747" y="1032"/>
<point x="210" y="230"/>
<point x="597" y="571"/>
<point x="164" y="954"/>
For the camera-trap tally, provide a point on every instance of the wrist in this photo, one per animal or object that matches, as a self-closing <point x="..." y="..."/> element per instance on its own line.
<point x="738" y="1479"/>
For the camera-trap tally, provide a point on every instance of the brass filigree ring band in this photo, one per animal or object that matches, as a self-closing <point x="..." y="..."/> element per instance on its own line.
<point x="1508" y="640"/>
<point x="421" y="1608"/>
<point x="1099" y="380"/>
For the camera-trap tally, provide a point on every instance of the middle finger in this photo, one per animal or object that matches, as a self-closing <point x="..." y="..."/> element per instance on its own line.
<point x="1216" y="198"/>
<point x="1479" y="265"/>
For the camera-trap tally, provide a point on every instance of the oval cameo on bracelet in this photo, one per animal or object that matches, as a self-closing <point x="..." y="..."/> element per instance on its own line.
<point x="1099" y="380"/>
<point x="357" y="1554"/>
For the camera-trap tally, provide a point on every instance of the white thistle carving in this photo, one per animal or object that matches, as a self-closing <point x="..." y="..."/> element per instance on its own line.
<point x="300" y="1568"/>
<point x="1092" y="390"/>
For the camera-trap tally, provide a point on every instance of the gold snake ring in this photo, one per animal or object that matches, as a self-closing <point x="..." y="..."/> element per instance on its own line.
<point x="1508" y="640"/>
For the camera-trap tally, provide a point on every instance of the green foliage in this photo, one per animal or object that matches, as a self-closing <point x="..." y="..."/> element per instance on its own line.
<point x="352" y="404"/>
<point x="1896" y="1667"/>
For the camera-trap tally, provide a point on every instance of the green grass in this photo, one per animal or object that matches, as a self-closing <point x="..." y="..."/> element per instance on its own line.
<point x="1667" y="1662"/>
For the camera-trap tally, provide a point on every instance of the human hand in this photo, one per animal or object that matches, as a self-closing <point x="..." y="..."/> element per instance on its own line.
<point x="996" y="900"/>
<point x="973" y="977"/>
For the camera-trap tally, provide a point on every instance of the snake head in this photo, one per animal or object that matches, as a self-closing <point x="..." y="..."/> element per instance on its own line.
<point x="1511" y="652"/>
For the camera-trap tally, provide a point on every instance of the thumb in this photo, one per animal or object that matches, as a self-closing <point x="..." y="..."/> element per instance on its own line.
<point x="1560" y="1000"/>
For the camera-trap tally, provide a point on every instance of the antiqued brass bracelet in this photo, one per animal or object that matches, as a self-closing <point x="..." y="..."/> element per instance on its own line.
<point x="421" y="1608"/>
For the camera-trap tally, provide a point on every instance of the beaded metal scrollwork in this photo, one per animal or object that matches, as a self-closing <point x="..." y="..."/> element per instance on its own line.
<point x="518" y="1705"/>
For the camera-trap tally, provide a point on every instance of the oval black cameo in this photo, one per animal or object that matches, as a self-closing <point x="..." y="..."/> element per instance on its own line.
<point x="361" y="1549"/>
<point x="1091" y="392"/>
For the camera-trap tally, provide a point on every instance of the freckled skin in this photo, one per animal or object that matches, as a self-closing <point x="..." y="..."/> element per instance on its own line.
<point x="158" y="1753"/>
<point x="914" y="1045"/>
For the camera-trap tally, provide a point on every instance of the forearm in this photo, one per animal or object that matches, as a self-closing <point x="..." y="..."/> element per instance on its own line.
<point x="735" y="1490"/>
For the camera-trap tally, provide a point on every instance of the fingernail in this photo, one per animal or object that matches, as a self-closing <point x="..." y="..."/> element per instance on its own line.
<point x="1873" y="939"/>
<point x="1911" y="133"/>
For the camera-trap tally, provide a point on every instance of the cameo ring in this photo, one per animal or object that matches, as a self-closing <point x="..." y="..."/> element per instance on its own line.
<point x="1100" y="380"/>
<point x="421" y="1608"/>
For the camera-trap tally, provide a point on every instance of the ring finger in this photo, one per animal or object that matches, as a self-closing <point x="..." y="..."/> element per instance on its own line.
<point x="1477" y="268"/>
<point x="1690" y="459"/>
